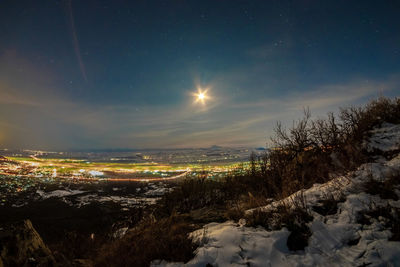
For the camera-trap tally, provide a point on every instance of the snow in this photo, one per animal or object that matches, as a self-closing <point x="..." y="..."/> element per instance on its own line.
<point x="385" y="138"/>
<point x="157" y="191"/>
<point x="96" y="173"/>
<point x="78" y="198"/>
<point x="58" y="193"/>
<point x="123" y="201"/>
<point x="241" y="246"/>
<point x="234" y="244"/>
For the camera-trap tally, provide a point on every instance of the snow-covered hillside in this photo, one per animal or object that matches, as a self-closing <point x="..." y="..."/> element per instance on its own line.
<point x="357" y="234"/>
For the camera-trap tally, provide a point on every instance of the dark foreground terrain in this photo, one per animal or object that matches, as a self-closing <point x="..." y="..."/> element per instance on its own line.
<point x="75" y="220"/>
<point x="327" y="193"/>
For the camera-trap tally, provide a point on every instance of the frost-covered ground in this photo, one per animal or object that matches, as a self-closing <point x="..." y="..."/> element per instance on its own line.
<point x="337" y="240"/>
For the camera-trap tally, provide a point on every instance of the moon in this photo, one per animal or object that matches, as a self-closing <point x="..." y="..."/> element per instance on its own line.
<point x="201" y="96"/>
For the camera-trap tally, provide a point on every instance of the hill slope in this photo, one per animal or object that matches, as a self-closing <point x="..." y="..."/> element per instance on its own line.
<point x="355" y="220"/>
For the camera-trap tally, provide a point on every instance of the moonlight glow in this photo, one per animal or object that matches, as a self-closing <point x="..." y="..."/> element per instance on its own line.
<point x="201" y="96"/>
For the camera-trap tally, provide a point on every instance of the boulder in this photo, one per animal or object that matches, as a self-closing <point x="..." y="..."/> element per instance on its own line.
<point x="21" y="245"/>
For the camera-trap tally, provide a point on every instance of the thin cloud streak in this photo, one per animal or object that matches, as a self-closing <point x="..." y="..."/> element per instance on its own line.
<point x="75" y="41"/>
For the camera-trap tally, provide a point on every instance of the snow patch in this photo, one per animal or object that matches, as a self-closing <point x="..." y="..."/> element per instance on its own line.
<point x="123" y="201"/>
<point x="58" y="193"/>
<point x="385" y="138"/>
<point x="96" y="173"/>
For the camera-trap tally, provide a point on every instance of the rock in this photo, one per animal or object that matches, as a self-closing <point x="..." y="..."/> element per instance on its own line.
<point x="21" y="245"/>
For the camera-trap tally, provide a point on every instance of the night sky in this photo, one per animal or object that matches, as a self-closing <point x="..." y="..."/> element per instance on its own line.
<point x="122" y="74"/>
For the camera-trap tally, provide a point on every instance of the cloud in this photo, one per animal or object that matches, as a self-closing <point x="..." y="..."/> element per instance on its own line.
<point x="36" y="113"/>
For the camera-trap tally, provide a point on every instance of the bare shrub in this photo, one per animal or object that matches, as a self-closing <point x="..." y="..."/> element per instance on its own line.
<point x="312" y="150"/>
<point x="192" y="194"/>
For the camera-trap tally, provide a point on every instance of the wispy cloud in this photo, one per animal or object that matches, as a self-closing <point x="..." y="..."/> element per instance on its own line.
<point x="34" y="114"/>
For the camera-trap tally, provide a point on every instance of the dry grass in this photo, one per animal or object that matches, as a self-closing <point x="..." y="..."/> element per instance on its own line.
<point x="164" y="239"/>
<point x="309" y="152"/>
